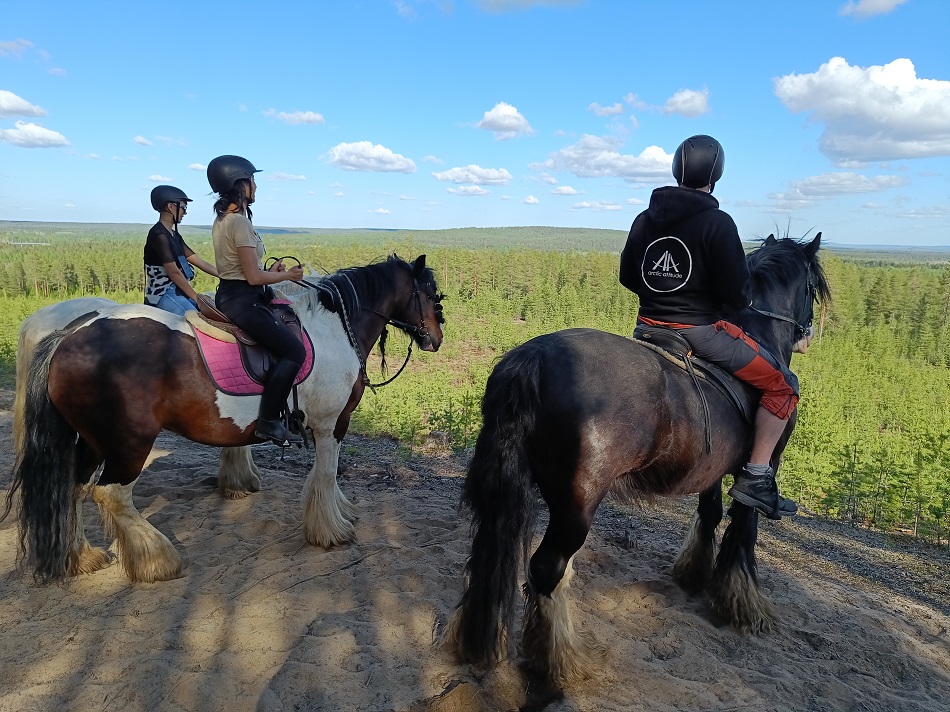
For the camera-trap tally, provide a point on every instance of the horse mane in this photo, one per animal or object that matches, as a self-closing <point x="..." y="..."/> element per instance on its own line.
<point x="775" y="264"/>
<point x="354" y="287"/>
<point x="359" y="285"/>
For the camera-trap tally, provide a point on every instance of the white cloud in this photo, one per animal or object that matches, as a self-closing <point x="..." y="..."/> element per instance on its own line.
<point x="364" y="156"/>
<point x="14" y="47"/>
<point x="872" y="114"/>
<point x="597" y="205"/>
<point x="433" y="159"/>
<point x="475" y="174"/>
<point x="867" y="8"/>
<point x="928" y="212"/>
<point x="168" y="141"/>
<point x="13" y="105"/>
<point x="296" y="117"/>
<point x="57" y="71"/>
<point x="599" y="110"/>
<point x="635" y="101"/>
<point x="635" y="201"/>
<point x="687" y="102"/>
<point x="566" y="190"/>
<point x="157" y="178"/>
<point x="467" y="190"/>
<point x="197" y="167"/>
<point x="29" y="135"/>
<point x="286" y="176"/>
<point x="506" y="122"/>
<point x="380" y="211"/>
<point x="531" y="200"/>
<point x="596" y="157"/>
<point x="141" y="141"/>
<point x="827" y="185"/>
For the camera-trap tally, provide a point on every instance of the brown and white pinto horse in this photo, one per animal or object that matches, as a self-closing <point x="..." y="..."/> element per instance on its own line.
<point x="579" y="413"/>
<point x="99" y="388"/>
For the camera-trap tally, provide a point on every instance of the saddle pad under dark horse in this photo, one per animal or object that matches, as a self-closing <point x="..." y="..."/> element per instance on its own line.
<point x="223" y="360"/>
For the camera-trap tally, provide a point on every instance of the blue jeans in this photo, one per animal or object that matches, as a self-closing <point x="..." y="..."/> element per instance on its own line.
<point x="175" y="302"/>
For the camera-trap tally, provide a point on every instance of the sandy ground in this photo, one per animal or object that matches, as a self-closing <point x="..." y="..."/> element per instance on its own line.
<point x="262" y="621"/>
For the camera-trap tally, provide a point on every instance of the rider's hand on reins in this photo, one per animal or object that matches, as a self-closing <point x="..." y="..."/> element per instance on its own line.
<point x="276" y="264"/>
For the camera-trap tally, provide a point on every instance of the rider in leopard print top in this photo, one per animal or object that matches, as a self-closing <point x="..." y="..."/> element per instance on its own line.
<point x="169" y="262"/>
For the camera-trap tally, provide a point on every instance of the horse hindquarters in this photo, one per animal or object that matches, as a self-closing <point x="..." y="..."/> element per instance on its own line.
<point x="499" y="492"/>
<point x="45" y="474"/>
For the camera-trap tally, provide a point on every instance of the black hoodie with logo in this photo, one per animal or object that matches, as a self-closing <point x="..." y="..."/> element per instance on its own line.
<point x="684" y="259"/>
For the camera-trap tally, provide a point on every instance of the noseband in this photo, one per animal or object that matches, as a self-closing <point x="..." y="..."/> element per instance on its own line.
<point x="806" y="317"/>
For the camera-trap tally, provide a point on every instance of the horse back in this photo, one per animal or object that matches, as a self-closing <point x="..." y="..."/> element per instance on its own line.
<point x="135" y="369"/>
<point x="607" y="407"/>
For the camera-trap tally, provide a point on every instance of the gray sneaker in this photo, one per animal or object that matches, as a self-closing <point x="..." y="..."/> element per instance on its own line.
<point x="762" y="493"/>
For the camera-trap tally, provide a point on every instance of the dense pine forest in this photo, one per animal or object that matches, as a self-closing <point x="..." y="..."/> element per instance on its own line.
<point x="872" y="445"/>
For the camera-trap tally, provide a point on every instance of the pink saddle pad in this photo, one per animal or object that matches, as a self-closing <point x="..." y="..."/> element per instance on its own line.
<point x="223" y="360"/>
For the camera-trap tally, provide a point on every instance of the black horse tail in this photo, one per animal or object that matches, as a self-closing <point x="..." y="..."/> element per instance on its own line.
<point x="44" y="474"/>
<point x="499" y="492"/>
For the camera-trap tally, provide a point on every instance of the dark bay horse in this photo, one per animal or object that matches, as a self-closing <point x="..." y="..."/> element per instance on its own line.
<point x="99" y="391"/>
<point x="580" y="413"/>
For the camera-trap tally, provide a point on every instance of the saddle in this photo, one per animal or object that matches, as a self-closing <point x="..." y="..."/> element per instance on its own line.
<point x="668" y="341"/>
<point x="256" y="358"/>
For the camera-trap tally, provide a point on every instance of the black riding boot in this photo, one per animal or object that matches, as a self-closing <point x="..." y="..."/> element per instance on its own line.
<point x="274" y="398"/>
<point x="762" y="493"/>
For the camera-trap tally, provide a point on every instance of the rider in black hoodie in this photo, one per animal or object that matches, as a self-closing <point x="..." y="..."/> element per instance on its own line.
<point x="685" y="261"/>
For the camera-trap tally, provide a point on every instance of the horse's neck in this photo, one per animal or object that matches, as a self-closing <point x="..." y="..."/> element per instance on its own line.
<point x="762" y="330"/>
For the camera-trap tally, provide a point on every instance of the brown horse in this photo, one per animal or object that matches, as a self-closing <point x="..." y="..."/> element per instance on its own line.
<point x="98" y="392"/>
<point x="579" y="413"/>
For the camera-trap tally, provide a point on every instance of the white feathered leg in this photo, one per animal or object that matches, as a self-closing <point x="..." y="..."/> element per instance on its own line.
<point x="238" y="476"/>
<point x="327" y="514"/>
<point x="83" y="557"/>
<point x="146" y="554"/>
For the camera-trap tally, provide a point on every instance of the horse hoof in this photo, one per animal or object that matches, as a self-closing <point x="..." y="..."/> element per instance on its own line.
<point x="90" y="559"/>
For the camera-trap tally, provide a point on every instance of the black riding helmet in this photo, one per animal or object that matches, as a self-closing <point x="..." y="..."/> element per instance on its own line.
<point x="225" y="171"/>
<point x="698" y="162"/>
<point x="162" y="195"/>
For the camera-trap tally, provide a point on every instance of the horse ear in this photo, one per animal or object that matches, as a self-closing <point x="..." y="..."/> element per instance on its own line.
<point x="770" y="240"/>
<point x="420" y="266"/>
<point x="811" y="249"/>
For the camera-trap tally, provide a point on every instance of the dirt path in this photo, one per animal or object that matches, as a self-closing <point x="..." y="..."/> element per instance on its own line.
<point x="261" y="621"/>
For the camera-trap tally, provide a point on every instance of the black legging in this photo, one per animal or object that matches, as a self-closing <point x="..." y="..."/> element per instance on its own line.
<point x="244" y="304"/>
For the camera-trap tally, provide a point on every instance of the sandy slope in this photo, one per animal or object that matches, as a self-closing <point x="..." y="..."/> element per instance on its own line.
<point x="261" y="621"/>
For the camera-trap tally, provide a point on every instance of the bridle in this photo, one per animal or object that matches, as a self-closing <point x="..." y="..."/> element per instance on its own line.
<point x="803" y="324"/>
<point x="420" y="331"/>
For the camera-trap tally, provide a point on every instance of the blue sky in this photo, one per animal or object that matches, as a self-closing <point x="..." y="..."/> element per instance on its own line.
<point x="427" y="114"/>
